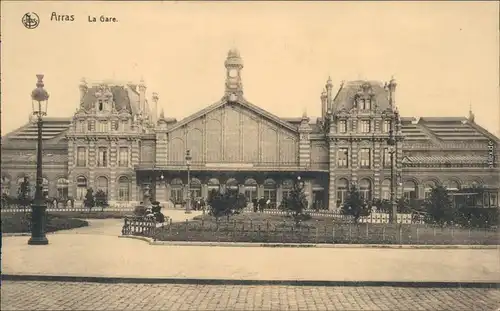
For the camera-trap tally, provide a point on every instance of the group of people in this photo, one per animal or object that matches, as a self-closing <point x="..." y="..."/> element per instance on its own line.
<point x="261" y="204"/>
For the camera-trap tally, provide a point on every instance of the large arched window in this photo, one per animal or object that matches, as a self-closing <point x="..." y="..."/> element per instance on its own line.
<point x="428" y="188"/>
<point x="250" y="189"/>
<point x="451" y="185"/>
<point x="270" y="190"/>
<point x="5" y="185"/>
<point x="410" y="190"/>
<point x="286" y="187"/>
<point x="81" y="187"/>
<point x="102" y="184"/>
<point x="213" y="184"/>
<point x="123" y="189"/>
<point x="232" y="184"/>
<point x="62" y="188"/>
<point x="386" y="189"/>
<point x="365" y="189"/>
<point x="342" y="190"/>
<point x="176" y="194"/>
<point x="195" y="188"/>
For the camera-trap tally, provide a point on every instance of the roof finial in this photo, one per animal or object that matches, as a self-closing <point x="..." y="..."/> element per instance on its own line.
<point x="471" y="114"/>
<point x="162" y="114"/>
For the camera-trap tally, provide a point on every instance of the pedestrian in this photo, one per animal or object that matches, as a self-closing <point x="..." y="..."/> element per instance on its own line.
<point x="254" y="204"/>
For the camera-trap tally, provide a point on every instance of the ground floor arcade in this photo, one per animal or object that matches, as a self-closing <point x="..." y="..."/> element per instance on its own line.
<point x="172" y="186"/>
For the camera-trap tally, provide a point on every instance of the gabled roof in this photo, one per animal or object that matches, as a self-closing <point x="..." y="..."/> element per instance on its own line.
<point x="243" y="102"/>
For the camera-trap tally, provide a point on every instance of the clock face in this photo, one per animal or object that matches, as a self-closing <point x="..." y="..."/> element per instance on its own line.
<point x="233" y="73"/>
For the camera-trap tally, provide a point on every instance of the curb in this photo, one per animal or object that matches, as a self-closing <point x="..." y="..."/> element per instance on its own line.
<point x="131" y="280"/>
<point x="296" y="245"/>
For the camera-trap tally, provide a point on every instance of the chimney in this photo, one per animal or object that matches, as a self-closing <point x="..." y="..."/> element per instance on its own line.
<point x="323" y="104"/>
<point x="329" y="88"/>
<point x="155" y="108"/>
<point x="392" y="93"/>
<point x="83" y="89"/>
<point x="142" y="97"/>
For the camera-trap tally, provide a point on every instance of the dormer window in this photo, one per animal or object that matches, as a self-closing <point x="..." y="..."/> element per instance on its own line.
<point x="366" y="104"/>
<point x="387" y="126"/>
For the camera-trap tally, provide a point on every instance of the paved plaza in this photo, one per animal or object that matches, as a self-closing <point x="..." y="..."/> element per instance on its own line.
<point x="96" y="251"/>
<point x="94" y="296"/>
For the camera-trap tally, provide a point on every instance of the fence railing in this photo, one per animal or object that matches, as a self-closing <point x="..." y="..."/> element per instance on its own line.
<point x="134" y="225"/>
<point x="336" y="233"/>
<point x="86" y="210"/>
<point x="373" y="218"/>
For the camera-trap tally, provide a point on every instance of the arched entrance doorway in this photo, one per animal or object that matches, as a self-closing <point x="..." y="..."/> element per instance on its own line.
<point x="250" y="189"/>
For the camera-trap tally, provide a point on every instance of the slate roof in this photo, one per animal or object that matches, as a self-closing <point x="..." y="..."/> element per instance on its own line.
<point x="25" y="137"/>
<point x="453" y="128"/>
<point x="125" y="97"/>
<point x="345" y="95"/>
<point x="445" y="159"/>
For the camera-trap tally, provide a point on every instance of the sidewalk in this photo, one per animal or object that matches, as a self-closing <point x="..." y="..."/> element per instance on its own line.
<point x="95" y="251"/>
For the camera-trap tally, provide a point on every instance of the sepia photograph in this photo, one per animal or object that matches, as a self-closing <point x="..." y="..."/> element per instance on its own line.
<point x="250" y="155"/>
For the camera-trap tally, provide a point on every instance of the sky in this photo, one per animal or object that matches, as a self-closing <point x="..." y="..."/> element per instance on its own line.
<point x="444" y="55"/>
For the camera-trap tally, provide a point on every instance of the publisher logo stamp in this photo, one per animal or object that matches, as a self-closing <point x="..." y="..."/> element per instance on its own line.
<point x="30" y="20"/>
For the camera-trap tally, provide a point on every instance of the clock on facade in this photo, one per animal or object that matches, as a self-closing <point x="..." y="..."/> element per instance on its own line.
<point x="233" y="73"/>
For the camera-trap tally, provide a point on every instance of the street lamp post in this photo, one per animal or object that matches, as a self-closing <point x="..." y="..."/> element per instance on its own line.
<point x="39" y="97"/>
<point x="391" y="142"/>
<point x="188" y="164"/>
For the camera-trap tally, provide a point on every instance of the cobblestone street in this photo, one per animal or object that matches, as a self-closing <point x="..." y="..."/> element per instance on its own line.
<point x="20" y="295"/>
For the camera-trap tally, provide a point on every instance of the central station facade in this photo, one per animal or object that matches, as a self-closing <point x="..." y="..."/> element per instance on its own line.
<point x="117" y="142"/>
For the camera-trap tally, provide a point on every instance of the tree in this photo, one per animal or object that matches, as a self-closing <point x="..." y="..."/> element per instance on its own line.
<point x="296" y="202"/>
<point x="226" y="203"/>
<point x="355" y="205"/>
<point x="439" y="205"/>
<point x="24" y="193"/>
<point x="101" y="199"/>
<point x="89" y="200"/>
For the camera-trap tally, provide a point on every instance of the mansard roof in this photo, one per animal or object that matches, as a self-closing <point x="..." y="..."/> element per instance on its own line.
<point x="125" y="97"/>
<point x="348" y="91"/>
<point x="53" y="135"/>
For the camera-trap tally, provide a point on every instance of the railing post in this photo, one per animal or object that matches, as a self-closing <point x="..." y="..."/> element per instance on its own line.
<point x="333" y="234"/>
<point x="418" y="237"/>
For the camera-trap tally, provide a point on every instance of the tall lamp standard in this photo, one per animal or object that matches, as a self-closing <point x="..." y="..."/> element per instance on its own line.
<point x="39" y="102"/>
<point x="391" y="142"/>
<point x="188" y="164"/>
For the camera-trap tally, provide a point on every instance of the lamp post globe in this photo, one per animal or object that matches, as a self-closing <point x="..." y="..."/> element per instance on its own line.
<point x="39" y="101"/>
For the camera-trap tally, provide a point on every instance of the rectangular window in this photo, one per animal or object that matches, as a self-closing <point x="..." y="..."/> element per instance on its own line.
<point x="103" y="126"/>
<point x="343" y="158"/>
<point x="364" y="158"/>
<point x="89" y="125"/>
<point x="123" y="157"/>
<point x="124" y="125"/>
<point x="387" y="158"/>
<point x="102" y="160"/>
<point x="365" y="126"/>
<point x="387" y="126"/>
<point x="342" y="126"/>
<point x="81" y="126"/>
<point x="493" y="200"/>
<point x="81" y="157"/>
